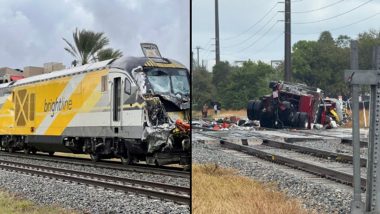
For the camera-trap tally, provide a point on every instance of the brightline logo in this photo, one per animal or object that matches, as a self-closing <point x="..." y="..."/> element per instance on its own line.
<point x="57" y="105"/>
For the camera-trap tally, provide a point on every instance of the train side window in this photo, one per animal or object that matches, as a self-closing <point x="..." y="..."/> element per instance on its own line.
<point x="116" y="98"/>
<point x="128" y="86"/>
<point x="104" y="83"/>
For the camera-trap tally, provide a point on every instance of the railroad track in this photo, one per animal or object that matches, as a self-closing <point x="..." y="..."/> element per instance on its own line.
<point x="303" y="149"/>
<point x="313" y="151"/>
<point x="167" y="171"/>
<point x="263" y="152"/>
<point x="152" y="189"/>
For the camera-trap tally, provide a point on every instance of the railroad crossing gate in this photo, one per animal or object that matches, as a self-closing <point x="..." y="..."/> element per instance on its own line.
<point x="357" y="78"/>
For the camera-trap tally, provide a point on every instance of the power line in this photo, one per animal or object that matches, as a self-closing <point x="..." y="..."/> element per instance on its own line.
<point x="252" y="26"/>
<point x="362" y="20"/>
<point x="333" y="17"/>
<point x="341" y="27"/>
<point x="252" y="35"/>
<point x="262" y="36"/>
<point x="321" y="8"/>
<point x="270" y="43"/>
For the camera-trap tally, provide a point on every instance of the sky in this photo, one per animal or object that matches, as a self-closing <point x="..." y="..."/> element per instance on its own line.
<point x="254" y="29"/>
<point x="32" y="30"/>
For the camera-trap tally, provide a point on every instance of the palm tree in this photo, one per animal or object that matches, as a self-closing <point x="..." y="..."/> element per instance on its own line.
<point x="108" y="53"/>
<point x="87" y="44"/>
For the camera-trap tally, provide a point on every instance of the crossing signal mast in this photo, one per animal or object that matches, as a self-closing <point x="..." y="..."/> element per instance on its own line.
<point x="357" y="78"/>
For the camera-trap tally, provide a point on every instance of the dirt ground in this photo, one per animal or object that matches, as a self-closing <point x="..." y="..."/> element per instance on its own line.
<point x="222" y="114"/>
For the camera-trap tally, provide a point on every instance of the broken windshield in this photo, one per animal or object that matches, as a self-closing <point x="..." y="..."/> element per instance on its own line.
<point x="164" y="81"/>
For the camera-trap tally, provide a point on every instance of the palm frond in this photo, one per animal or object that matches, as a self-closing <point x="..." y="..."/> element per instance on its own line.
<point x="87" y="45"/>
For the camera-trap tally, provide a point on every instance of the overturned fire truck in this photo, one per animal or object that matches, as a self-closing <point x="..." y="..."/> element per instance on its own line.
<point x="293" y="105"/>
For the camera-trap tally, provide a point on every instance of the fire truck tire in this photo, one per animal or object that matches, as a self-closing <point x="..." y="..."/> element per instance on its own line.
<point x="253" y="109"/>
<point x="257" y="107"/>
<point x="295" y="119"/>
<point x="266" y="120"/>
<point x="303" y="120"/>
<point x="250" y="109"/>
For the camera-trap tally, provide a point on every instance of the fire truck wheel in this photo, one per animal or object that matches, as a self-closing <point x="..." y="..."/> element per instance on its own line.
<point x="250" y="109"/>
<point x="295" y="119"/>
<point x="266" y="120"/>
<point x="303" y="120"/>
<point x="257" y="109"/>
<point x="253" y="109"/>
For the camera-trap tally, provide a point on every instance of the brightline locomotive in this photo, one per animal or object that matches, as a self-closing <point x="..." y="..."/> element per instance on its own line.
<point x="130" y="108"/>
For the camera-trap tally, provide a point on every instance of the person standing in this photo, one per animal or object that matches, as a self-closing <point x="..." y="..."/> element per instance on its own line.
<point x="216" y="108"/>
<point x="204" y="111"/>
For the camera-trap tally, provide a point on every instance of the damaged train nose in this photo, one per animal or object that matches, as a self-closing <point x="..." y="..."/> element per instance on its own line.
<point x="168" y="142"/>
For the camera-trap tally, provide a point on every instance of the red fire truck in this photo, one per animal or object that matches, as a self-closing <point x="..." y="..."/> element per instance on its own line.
<point x="289" y="105"/>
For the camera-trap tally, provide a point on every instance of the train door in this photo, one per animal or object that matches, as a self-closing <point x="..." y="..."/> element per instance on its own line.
<point x="120" y="91"/>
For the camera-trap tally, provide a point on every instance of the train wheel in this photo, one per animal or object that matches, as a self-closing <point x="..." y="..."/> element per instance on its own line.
<point x="26" y="151"/>
<point x="94" y="157"/>
<point x="127" y="159"/>
<point x="51" y="153"/>
<point x="34" y="151"/>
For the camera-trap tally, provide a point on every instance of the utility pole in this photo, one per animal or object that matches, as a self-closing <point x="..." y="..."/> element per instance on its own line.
<point x="217" y="44"/>
<point x="192" y="60"/>
<point x="198" y="55"/>
<point x="288" y="59"/>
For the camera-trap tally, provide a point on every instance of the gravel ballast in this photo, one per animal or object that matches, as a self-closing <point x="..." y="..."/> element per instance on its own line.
<point x="178" y="181"/>
<point x="323" y="197"/>
<point x="86" y="199"/>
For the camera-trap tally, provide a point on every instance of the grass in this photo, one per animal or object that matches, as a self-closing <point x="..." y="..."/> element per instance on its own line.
<point x="11" y="204"/>
<point x="219" y="190"/>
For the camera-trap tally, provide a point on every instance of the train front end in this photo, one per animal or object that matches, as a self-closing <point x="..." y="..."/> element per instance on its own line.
<point x="165" y="86"/>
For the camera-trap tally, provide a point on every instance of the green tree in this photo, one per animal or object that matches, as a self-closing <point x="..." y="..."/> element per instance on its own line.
<point x="367" y="41"/>
<point x="245" y="83"/>
<point x="343" y="41"/>
<point x="202" y="88"/>
<point x="321" y="63"/>
<point x="220" y="74"/>
<point x="86" y="45"/>
<point x="108" y="53"/>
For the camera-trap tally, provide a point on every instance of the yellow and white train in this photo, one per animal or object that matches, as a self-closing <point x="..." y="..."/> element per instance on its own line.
<point x="123" y="108"/>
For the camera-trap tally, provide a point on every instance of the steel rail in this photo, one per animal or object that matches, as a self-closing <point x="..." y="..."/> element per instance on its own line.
<point x="173" y="196"/>
<point x="101" y="176"/>
<point x="303" y="149"/>
<point x="167" y="171"/>
<point x="313" y="151"/>
<point x="297" y="164"/>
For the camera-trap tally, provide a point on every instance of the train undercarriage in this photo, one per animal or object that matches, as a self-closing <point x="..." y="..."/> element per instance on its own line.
<point x="130" y="151"/>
